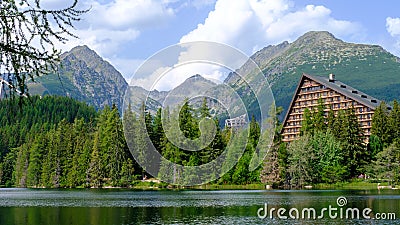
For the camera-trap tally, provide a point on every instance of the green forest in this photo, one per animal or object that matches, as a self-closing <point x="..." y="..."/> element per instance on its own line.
<point x="332" y="150"/>
<point x="59" y="142"/>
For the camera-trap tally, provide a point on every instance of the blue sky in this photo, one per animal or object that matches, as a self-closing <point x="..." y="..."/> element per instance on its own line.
<point x="127" y="32"/>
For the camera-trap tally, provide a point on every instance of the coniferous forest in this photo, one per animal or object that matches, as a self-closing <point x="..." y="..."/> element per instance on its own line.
<point x="60" y="142"/>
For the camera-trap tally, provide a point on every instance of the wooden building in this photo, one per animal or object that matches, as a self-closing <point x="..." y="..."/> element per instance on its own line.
<point x="335" y="95"/>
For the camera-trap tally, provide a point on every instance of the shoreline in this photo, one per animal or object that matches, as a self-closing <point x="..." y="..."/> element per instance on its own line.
<point x="339" y="186"/>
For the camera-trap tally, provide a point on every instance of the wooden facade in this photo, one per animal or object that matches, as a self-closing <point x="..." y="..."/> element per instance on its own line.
<point x="335" y="95"/>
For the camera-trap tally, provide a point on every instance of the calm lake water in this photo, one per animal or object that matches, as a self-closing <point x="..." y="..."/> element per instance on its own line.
<point x="76" y="207"/>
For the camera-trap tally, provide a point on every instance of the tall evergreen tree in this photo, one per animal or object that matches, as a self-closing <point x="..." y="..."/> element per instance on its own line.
<point x="35" y="160"/>
<point x="380" y="123"/>
<point x="319" y="123"/>
<point x="355" y="154"/>
<point x="158" y="131"/>
<point x="330" y="120"/>
<point x="307" y="125"/>
<point x="95" y="171"/>
<point x="394" y="123"/>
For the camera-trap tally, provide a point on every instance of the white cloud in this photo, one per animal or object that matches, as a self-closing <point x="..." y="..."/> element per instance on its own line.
<point x="393" y="26"/>
<point x="172" y="66"/>
<point x="179" y="74"/>
<point x="247" y="25"/>
<point x="103" y="41"/>
<point x="108" y="26"/>
<point x="168" y="77"/>
<point x="124" y="14"/>
<point x="251" y="24"/>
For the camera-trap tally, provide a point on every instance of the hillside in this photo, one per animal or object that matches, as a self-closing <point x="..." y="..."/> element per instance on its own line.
<point x="369" y="68"/>
<point x="84" y="76"/>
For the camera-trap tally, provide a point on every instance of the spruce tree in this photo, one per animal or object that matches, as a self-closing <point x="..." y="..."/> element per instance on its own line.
<point x="319" y="117"/>
<point x="355" y="154"/>
<point x="380" y="123"/>
<point x="95" y="171"/>
<point x="307" y="125"/>
<point x="394" y="123"/>
<point x="330" y="120"/>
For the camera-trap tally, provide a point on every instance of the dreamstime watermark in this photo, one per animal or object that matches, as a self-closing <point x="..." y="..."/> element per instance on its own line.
<point x="247" y="93"/>
<point x="340" y="211"/>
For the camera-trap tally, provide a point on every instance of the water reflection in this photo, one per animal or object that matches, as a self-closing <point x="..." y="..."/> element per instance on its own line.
<point x="41" y="206"/>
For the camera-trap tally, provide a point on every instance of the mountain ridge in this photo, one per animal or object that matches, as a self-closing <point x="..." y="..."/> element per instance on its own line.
<point x="85" y="76"/>
<point x="369" y="68"/>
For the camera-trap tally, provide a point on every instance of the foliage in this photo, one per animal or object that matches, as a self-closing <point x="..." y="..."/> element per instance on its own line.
<point x="29" y="32"/>
<point x="46" y="145"/>
<point x="388" y="163"/>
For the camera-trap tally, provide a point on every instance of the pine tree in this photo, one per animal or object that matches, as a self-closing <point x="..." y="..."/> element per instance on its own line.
<point x="142" y="142"/>
<point x="307" y="125"/>
<point x="130" y="123"/>
<point x="21" y="165"/>
<point x="95" y="171"/>
<point x="275" y="164"/>
<point x="35" y="160"/>
<point x="319" y="117"/>
<point x="158" y="131"/>
<point x="374" y="146"/>
<point x="187" y="123"/>
<point x="355" y="154"/>
<point x="7" y="168"/>
<point x="118" y="147"/>
<point x="330" y="120"/>
<point x="338" y="124"/>
<point x="127" y="172"/>
<point x="394" y="123"/>
<point x="380" y="123"/>
<point x="204" y="109"/>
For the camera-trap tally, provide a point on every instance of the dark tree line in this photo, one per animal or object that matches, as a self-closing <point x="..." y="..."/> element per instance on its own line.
<point x="59" y="142"/>
<point x="384" y="144"/>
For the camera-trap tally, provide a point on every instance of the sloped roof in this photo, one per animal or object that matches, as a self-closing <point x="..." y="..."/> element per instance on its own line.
<point x="340" y="87"/>
<point x="346" y="90"/>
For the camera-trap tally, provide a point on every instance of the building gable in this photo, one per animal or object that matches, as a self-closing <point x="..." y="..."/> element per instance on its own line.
<point x="335" y="95"/>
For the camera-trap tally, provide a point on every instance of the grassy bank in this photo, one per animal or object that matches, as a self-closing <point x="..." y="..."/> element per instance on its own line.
<point x="353" y="185"/>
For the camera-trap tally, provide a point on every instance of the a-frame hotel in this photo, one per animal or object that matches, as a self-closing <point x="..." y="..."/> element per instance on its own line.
<point x="335" y="95"/>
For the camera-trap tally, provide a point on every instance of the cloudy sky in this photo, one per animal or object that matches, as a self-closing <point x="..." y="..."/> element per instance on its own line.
<point x="127" y="32"/>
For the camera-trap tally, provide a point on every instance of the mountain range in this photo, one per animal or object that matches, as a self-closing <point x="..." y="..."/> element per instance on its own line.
<point x="85" y="76"/>
<point x="369" y="68"/>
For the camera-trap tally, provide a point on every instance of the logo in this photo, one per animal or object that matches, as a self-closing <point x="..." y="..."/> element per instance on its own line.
<point x="330" y="212"/>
